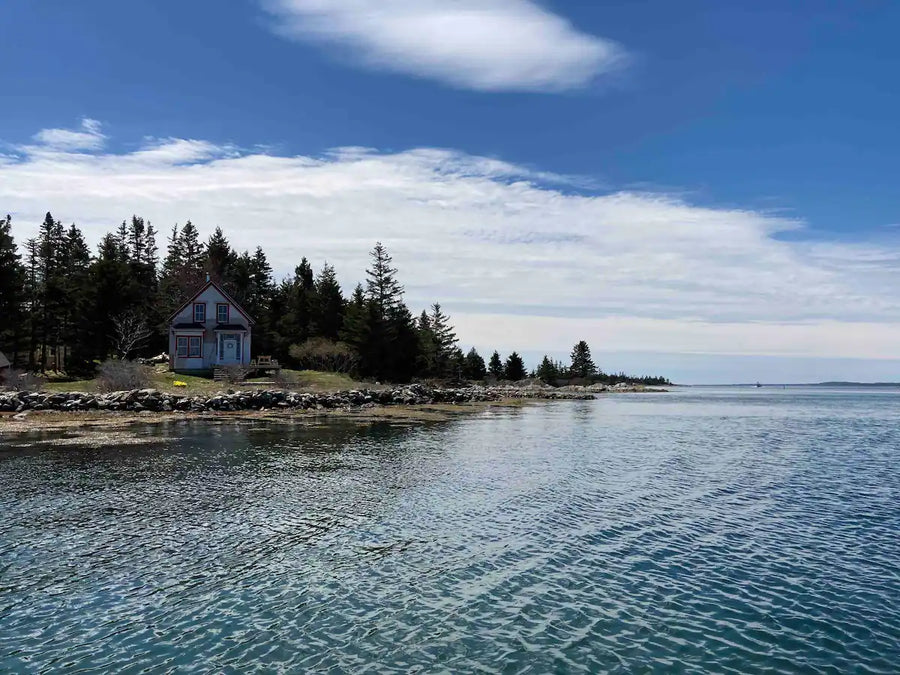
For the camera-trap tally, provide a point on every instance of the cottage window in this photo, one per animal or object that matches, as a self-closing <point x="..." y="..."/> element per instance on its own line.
<point x="181" y="347"/>
<point x="194" y="347"/>
<point x="222" y="313"/>
<point x="200" y="312"/>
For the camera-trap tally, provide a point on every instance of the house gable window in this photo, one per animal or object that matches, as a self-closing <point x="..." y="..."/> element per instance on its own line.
<point x="194" y="344"/>
<point x="199" y="312"/>
<point x="223" y="312"/>
<point x="181" y="347"/>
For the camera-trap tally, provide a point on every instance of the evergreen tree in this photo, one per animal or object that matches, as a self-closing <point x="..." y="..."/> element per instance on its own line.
<point x="382" y="286"/>
<point x="193" y="255"/>
<point x="12" y="292"/>
<point x="515" y="368"/>
<point x="298" y="299"/>
<point x="389" y="346"/>
<point x="51" y="294"/>
<point x="495" y="365"/>
<point x="444" y="340"/>
<point x="112" y="292"/>
<point x="182" y="270"/>
<point x="549" y="370"/>
<point x="328" y="309"/>
<point x="220" y="259"/>
<point x="427" y="364"/>
<point x="76" y="288"/>
<point x="354" y="330"/>
<point x="474" y="368"/>
<point x="582" y="364"/>
<point x="32" y="298"/>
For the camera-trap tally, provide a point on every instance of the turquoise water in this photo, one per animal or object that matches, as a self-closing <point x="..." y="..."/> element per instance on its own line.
<point x="699" y="531"/>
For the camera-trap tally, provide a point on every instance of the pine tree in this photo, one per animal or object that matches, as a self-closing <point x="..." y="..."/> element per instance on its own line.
<point x="220" y="259"/>
<point x="328" y="308"/>
<point x="298" y="297"/>
<point x="549" y="371"/>
<point x="193" y="254"/>
<point x="495" y="365"/>
<point x="474" y="368"/>
<point x="444" y="340"/>
<point x="428" y="347"/>
<point x="76" y="352"/>
<point x="515" y="368"/>
<point x="390" y="347"/>
<point x="182" y="270"/>
<point x="12" y="292"/>
<point x="111" y="292"/>
<point x="51" y="297"/>
<point x="382" y="286"/>
<point x="582" y="364"/>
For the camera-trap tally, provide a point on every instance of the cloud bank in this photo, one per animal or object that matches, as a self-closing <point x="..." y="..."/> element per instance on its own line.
<point x="485" y="45"/>
<point x="521" y="262"/>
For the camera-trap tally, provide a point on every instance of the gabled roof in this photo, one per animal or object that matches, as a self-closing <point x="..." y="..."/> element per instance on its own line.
<point x="225" y="295"/>
<point x="4" y="362"/>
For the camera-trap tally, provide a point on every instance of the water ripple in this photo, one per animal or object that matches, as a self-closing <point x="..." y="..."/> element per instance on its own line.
<point x="713" y="531"/>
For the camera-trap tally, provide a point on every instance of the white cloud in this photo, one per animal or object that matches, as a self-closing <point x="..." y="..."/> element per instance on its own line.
<point x="517" y="263"/>
<point x="89" y="137"/>
<point x="486" y="45"/>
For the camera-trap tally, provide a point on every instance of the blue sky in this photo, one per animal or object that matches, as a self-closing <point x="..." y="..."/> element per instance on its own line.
<point x="777" y="118"/>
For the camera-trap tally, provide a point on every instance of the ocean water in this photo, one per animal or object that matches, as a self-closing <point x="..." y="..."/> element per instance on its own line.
<point x="706" y="530"/>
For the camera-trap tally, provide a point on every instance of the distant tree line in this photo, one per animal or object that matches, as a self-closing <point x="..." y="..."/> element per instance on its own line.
<point x="65" y="308"/>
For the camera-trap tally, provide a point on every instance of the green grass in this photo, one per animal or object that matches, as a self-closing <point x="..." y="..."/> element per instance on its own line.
<point x="164" y="380"/>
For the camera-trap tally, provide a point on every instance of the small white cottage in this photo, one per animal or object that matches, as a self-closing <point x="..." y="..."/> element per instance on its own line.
<point x="209" y="330"/>
<point x="4" y="362"/>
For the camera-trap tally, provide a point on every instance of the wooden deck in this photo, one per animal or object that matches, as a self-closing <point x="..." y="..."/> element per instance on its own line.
<point x="259" y="365"/>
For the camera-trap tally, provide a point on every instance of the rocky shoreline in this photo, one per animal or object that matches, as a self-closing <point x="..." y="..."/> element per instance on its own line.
<point x="154" y="400"/>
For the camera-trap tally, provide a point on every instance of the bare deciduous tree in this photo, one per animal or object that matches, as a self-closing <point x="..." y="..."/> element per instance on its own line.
<point x="130" y="332"/>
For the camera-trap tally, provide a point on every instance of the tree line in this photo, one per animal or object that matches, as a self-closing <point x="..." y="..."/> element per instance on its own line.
<point x="65" y="308"/>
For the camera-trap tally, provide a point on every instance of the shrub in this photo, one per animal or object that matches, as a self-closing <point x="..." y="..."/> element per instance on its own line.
<point x="284" y="380"/>
<point x="322" y="354"/>
<point x="13" y="379"/>
<point x="119" y="375"/>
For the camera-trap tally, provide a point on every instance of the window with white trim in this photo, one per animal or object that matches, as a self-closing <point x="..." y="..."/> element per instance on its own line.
<point x="194" y="347"/>
<point x="181" y="347"/>
<point x="222" y="313"/>
<point x="200" y="312"/>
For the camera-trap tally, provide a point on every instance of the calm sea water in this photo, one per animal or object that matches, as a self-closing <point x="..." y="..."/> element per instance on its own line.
<point x="699" y="531"/>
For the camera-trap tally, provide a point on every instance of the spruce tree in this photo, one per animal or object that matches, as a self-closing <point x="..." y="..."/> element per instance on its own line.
<point x="474" y="368"/>
<point x="220" y="259"/>
<point x="76" y="287"/>
<point x="382" y="286"/>
<point x="444" y="341"/>
<point x="328" y="309"/>
<point x="548" y="370"/>
<point x="12" y="287"/>
<point x="515" y="368"/>
<point x="298" y="297"/>
<point x="495" y="365"/>
<point x="582" y="364"/>
<point x="51" y="294"/>
<point x="111" y="292"/>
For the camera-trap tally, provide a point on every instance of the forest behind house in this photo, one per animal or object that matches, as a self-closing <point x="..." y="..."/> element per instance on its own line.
<point x="65" y="309"/>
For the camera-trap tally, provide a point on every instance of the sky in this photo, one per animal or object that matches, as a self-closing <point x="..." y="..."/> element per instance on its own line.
<point x="699" y="189"/>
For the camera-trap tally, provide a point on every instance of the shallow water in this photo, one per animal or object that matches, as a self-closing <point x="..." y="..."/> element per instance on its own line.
<point x="698" y="531"/>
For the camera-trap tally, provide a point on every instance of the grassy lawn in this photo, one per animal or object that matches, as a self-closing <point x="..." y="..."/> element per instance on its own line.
<point x="164" y="380"/>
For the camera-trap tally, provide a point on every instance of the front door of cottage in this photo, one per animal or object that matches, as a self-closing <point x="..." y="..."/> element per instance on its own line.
<point x="231" y="349"/>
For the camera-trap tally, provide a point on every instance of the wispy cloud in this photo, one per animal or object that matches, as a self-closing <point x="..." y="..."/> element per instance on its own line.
<point x="485" y="45"/>
<point x="519" y="264"/>
<point x="88" y="137"/>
